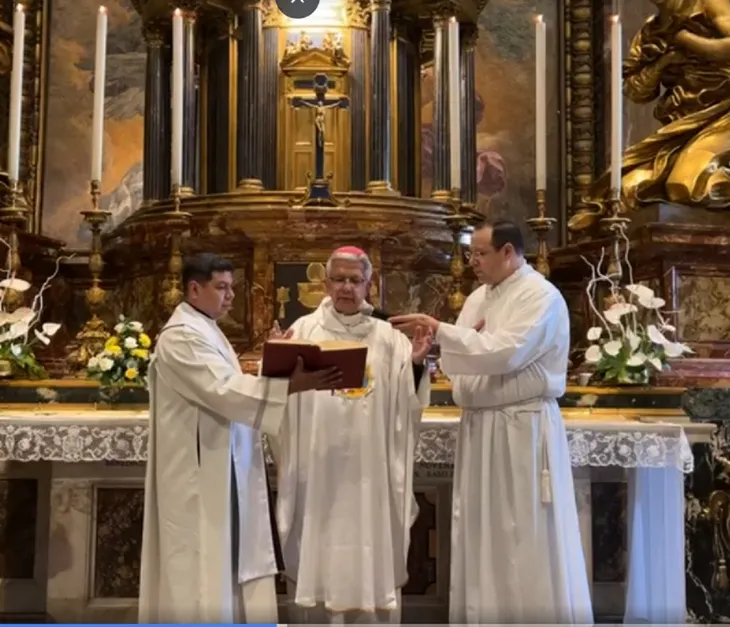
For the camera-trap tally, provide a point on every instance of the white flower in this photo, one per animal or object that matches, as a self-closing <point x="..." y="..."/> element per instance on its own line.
<point x="43" y="338"/>
<point x="16" y="349"/>
<point x="617" y="311"/>
<point x="93" y="363"/>
<point x="130" y="343"/>
<point x="651" y="302"/>
<point x="655" y="362"/>
<point x="50" y="328"/>
<point x="15" y="284"/>
<point x="22" y="314"/>
<point x="136" y="326"/>
<point x="612" y="348"/>
<point x="637" y="359"/>
<point x="676" y="349"/>
<point x="5" y="318"/>
<point x="640" y="291"/>
<point x="105" y="364"/>
<point x="17" y="329"/>
<point x="655" y="335"/>
<point x="634" y="340"/>
<point x="118" y="327"/>
<point x="594" y="333"/>
<point x="669" y="328"/>
<point x="593" y="354"/>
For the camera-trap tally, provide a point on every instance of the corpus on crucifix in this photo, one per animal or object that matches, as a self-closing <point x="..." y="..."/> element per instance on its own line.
<point x="320" y="103"/>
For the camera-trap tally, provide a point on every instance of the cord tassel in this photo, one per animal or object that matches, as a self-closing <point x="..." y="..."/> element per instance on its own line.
<point x="546" y="492"/>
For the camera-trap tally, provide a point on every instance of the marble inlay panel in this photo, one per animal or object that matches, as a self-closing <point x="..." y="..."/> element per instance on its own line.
<point x="18" y="511"/>
<point x="608" y="504"/>
<point x="704" y="304"/>
<point x="118" y="542"/>
<point x="423" y="554"/>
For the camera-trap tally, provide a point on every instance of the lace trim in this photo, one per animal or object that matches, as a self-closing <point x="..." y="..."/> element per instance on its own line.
<point x="128" y="443"/>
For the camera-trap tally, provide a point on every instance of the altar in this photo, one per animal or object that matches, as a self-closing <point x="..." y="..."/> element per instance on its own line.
<point x="82" y="553"/>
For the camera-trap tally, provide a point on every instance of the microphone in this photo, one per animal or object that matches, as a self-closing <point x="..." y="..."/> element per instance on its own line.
<point x="379" y="314"/>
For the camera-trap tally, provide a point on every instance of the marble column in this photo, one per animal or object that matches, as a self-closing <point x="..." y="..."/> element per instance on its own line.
<point x="407" y="68"/>
<point x="249" y="144"/>
<point x="468" y="117"/>
<point x="270" y="93"/>
<point x="157" y="114"/>
<point x="358" y="94"/>
<point x="441" y="148"/>
<point x="190" y="104"/>
<point x="218" y="106"/>
<point x="380" y="97"/>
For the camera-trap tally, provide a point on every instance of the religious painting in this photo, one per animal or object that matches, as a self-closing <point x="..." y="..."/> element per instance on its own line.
<point x="505" y="110"/>
<point x="69" y="110"/>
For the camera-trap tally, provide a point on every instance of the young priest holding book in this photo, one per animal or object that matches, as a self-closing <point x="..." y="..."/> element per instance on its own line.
<point x="345" y="460"/>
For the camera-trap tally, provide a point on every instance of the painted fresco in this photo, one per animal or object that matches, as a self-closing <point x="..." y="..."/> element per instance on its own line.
<point x="505" y="110"/>
<point x="69" y="112"/>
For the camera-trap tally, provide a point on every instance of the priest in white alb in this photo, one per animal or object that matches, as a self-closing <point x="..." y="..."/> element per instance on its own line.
<point x="208" y="552"/>
<point x="345" y="489"/>
<point x="516" y="549"/>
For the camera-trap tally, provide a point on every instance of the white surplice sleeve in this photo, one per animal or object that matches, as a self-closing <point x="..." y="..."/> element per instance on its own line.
<point x="407" y="405"/>
<point x="200" y="373"/>
<point x="525" y="334"/>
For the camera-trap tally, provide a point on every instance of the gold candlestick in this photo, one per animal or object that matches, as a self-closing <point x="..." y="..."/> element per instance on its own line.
<point x="93" y="335"/>
<point x="177" y="221"/>
<point x="456" y="222"/>
<point x="14" y="216"/>
<point x="541" y="226"/>
<point x="615" y="225"/>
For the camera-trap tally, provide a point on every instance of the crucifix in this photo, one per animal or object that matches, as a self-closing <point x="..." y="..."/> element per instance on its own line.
<point x="320" y="103"/>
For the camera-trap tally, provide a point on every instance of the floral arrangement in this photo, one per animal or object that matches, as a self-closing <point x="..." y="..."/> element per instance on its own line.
<point x="21" y="330"/>
<point x="632" y="341"/>
<point x="125" y="358"/>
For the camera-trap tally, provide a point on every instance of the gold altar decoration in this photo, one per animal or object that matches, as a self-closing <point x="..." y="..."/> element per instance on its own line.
<point x="541" y="226"/>
<point x="717" y="513"/>
<point x="176" y="222"/>
<point x="616" y="226"/>
<point x="90" y="340"/>
<point x="282" y="297"/>
<point x="14" y="216"/>
<point x="311" y="294"/>
<point x="678" y="59"/>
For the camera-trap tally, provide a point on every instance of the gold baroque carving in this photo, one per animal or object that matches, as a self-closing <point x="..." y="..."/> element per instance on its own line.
<point x="357" y="14"/>
<point x="579" y="93"/>
<point x="270" y="14"/>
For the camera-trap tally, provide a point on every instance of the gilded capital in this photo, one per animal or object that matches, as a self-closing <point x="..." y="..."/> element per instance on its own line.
<point x="358" y="14"/>
<point x="380" y="5"/>
<point x="154" y="33"/>
<point x="442" y="13"/>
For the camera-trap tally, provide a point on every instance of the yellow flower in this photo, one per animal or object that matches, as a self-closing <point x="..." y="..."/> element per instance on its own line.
<point x="111" y="342"/>
<point x="113" y="350"/>
<point x="130" y="373"/>
<point x="144" y="340"/>
<point x="141" y="353"/>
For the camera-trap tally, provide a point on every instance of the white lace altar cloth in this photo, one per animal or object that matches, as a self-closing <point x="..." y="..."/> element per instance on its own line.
<point x="121" y="436"/>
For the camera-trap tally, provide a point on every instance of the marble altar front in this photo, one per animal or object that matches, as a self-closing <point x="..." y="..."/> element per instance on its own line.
<point x="76" y="558"/>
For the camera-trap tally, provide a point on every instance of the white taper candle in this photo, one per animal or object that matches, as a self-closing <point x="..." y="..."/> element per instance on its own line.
<point x="617" y="122"/>
<point x="177" y="97"/>
<point x="540" y="105"/>
<point x="454" y="103"/>
<point x="16" y="94"/>
<point x="97" y="136"/>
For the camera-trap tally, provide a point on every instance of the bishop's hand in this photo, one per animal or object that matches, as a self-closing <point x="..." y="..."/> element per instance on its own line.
<point x="277" y="334"/>
<point x="421" y="345"/>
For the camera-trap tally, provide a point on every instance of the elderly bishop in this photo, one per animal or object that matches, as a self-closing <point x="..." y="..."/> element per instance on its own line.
<point x="516" y="553"/>
<point x="345" y="503"/>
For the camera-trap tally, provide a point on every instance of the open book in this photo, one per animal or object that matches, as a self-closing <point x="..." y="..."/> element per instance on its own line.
<point x="280" y="358"/>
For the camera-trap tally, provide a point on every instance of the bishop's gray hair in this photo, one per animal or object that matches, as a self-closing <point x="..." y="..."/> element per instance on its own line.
<point x="341" y="255"/>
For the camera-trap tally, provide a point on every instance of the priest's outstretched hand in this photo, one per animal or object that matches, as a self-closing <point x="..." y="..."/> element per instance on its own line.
<point x="421" y="345"/>
<point x="277" y="334"/>
<point x="409" y="323"/>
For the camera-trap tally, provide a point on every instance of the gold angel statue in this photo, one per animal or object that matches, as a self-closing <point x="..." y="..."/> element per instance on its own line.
<point x="681" y="59"/>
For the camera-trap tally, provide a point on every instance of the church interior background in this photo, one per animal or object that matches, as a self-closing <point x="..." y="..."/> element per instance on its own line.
<point x="258" y="169"/>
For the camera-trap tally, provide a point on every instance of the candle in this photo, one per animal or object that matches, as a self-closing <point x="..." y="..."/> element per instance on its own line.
<point x="16" y="94"/>
<point x="97" y="135"/>
<point x="177" y="97"/>
<point x="540" y="105"/>
<point x="454" y="103"/>
<point x="617" y="135"/>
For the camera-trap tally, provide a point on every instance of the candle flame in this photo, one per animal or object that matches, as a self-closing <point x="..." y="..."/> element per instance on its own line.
<point x="178" y="13"/>
<point x="19" y="8"/>
<point x="615" y="19"/>
<point x="102" y="9"/>
<point x="452" y="19"/>
<point x="538" y="19"/>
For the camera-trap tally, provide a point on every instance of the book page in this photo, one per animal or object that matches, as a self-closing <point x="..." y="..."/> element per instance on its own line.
<point x="302" y="342"/>
<point x="339" y="345"/>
